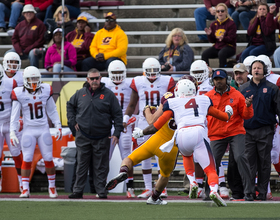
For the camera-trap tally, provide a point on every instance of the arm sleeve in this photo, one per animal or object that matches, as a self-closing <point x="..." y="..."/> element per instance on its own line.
<point x="163" y="119"/>
<point x="218" y="114"/>
<point x="52" y="112"/>
<point x="15" y="114"/>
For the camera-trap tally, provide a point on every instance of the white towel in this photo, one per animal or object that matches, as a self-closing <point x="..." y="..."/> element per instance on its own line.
<point x="167" y="147"/>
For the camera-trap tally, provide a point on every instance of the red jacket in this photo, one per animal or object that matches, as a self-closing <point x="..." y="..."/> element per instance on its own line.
<point x="221" y="129"/>
<point x="41" y="4"/>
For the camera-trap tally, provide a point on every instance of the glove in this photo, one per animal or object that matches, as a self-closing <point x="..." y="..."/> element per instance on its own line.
<point x="137" y="133"/>
<point x="14" y="139"/>
<point x="58" y="134"/>
<point x="229" y="110"/>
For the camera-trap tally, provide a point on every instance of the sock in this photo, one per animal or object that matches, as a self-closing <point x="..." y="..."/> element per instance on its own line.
<point x="129" y="182"/>
<point x="148" y="181"/>
<point x="124" y="169"/>
<point x="51" y="180"/>
<point x="19" y="180"/>
<point x="214" y="188"/>
<point x="268" y="187"/>
<point x="155" y="195"/>
<point x="25" y="183"/>
<point x="191" y="177"/>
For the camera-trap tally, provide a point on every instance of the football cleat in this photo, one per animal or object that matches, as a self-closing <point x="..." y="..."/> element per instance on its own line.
<point x="0" y="183"/>
<point x="224" y="192"/>
<point x="130" y="193"/>
<point x="25" y="194"/>
<point x="21" y="189"/>
<point x="116" y="180"/>
<point x="53" y="192"/>
<point x="215" y="197"/>
<point x="159" y="201"/>
<point x="269" y="196"/>
<point x="145" y="194"/>
<point x="193" y="190"/>
<point x="164" y="194"/>
<point x="200" y="193"/>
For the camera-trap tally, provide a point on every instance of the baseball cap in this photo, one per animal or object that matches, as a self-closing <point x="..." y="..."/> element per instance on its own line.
<point x="82" y="18"/>
<point x="57" y="30"/>
<point x="28" y="8"/>
<point x="219" y="73"/>
<point x="239" y="67"/>
<point x="111" y="15"/>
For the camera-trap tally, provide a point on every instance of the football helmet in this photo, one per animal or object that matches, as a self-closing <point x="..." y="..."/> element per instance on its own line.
<point x="199" y="70"/>
<point x="151" y="68"/>
<point x="31" y="78"/>
<point x="248" y="61"/>
<point x="184" y="88"/>
<point x="117" y="71"/>
<point x="266" y="61"/>
<point x="11" y="62"/>
<point x="191" y="78"/>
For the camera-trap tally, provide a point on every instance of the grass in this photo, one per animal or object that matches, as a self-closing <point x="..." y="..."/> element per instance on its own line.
<point x="99" y="210"/>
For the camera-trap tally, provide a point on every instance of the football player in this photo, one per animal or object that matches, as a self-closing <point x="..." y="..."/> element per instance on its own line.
<point x="120" y="85"/>
<point x="34" y="100"/>
<point x="11" y="65"/>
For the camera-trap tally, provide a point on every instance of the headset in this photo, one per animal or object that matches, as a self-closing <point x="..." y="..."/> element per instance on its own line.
<point x="265" y="72"/>
<point x="228" y="79"/>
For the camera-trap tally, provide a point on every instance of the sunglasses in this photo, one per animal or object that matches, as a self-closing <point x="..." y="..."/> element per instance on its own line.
<point x="222" y="11"/>
<point x="61" y="12"/>
<point x="110" y="20"/>
<point x="94" y="78"/>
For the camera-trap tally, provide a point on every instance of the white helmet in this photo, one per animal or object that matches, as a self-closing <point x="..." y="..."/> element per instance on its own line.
<point x="151" y="68"/>
<point x="248" y="61"/>
<point x="120" y="69"/>
<point x="266" y="61"/>
<point x="201" y="66"/>
<point x="11" y="67"/>
<point x="184" y="88"/>
<point x="31" y="78"/>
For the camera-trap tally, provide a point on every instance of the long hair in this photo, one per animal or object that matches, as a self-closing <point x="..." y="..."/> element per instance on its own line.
<point x="55" y="15"/>
<point x="267" y="8"/>
<point x="226" y="10"/>
<point x="184" y="39"/>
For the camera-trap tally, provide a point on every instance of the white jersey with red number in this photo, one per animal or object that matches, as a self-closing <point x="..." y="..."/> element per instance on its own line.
<point x="150" y="93"/>
<point x="274" y="78"/>
<point x="204" y="87"/>
<point x="18" y="77"/>
<point x="189" y="111"/>
<point x="34" y="106"/>
<point x="6" y="88"/>
<point x="122" y="91"/>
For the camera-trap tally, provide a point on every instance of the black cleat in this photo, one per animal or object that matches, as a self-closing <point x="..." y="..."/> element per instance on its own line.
<point x="115" y="181"/>
<point x="76" y="195"/>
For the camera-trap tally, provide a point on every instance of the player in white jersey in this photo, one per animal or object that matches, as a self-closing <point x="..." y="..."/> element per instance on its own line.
<point x="34" y="100"/>
<point x="147" y="90"/>
<point x="200" y="71"/>
<point x="120" y="86"/>
<point x="12" y="64"/>
<point x="6" y="87"/>
<point x="189" y="112"/>
<point x="275" y="151"/>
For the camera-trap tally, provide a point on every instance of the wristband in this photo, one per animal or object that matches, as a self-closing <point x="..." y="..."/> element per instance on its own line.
<point x="125" y="118"/>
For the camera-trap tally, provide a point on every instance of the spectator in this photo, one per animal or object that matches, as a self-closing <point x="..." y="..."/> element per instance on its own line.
<point x="53" y="55"/>
<point x="40" y="7"/>
<point x="35" y="127"/>
<point x="81" y="39"/>
<point x="93" y="110"/>
<point x="240" y="75"/>
<point x="29" y="34"/>
<point x="10" y="9"/>
<point x="177" y="54"/>
<point x="110" y="43"/>
<point x="245" y="11"/>
<point x="72" y="5"/>
<point x="222" y="33"/>
<point x="262" y="37"/>
<point x="260" y="128"/>
<point x="208" y="13"/>
<point x="233" y="132"/>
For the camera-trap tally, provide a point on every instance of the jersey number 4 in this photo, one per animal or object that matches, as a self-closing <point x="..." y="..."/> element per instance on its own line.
<point x="192" y="104"/>
<point x="36" y="110"/>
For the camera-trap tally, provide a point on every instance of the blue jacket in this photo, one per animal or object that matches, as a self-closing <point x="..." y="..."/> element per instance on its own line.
<point x="266" y="103"/>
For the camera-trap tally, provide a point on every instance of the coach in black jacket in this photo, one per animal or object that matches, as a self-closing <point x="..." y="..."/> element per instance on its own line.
<point x="260" y="128"/>
<point x="92" y="111"/>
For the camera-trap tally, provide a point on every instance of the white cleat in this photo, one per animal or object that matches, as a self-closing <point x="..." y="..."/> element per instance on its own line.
<point x="53" y="192"/>
<point x="145" y="194"/>
<point x="163" y="194"/>
<point x="21" y="189"/>
<point x="224" y="192"/>
<point x="269" y="196"/>
<point x="217" y="199"/>
<point x="193" y="190"/>
<point x="25" y="194"/>
<point x="150" y="201"/>
<point x="200" y="193"/>
<point x="130" y="193"/>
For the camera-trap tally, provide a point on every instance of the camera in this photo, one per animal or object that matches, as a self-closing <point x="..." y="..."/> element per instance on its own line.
<point x="166" y="67"/>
